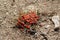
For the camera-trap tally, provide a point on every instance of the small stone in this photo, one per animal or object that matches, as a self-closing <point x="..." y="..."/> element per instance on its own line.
<point x="7" y="13"/>
<point x="32" y="32"/>
<point x="47" y="26"/>
<point x="55" y="20"/>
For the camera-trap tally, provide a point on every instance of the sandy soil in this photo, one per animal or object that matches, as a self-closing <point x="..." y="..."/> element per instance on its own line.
<point x="9" y="12"/>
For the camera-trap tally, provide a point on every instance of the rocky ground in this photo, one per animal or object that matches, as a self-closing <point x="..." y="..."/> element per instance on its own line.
<point x="9" y="12"/>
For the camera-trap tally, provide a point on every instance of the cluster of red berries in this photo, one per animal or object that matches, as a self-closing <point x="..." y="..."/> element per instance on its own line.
<point x="27" y="20"/>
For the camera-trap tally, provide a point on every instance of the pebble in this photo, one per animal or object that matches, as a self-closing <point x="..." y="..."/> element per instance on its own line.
<point x="56" y="19"/>
<point x="7" y="13"/>
<point x="47" y="26"/>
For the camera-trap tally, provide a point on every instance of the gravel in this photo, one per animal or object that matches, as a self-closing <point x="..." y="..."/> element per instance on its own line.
<point x="9" y="12"/>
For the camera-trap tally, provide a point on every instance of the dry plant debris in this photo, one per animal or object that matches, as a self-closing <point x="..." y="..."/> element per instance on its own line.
<point x="27" y="20"/>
